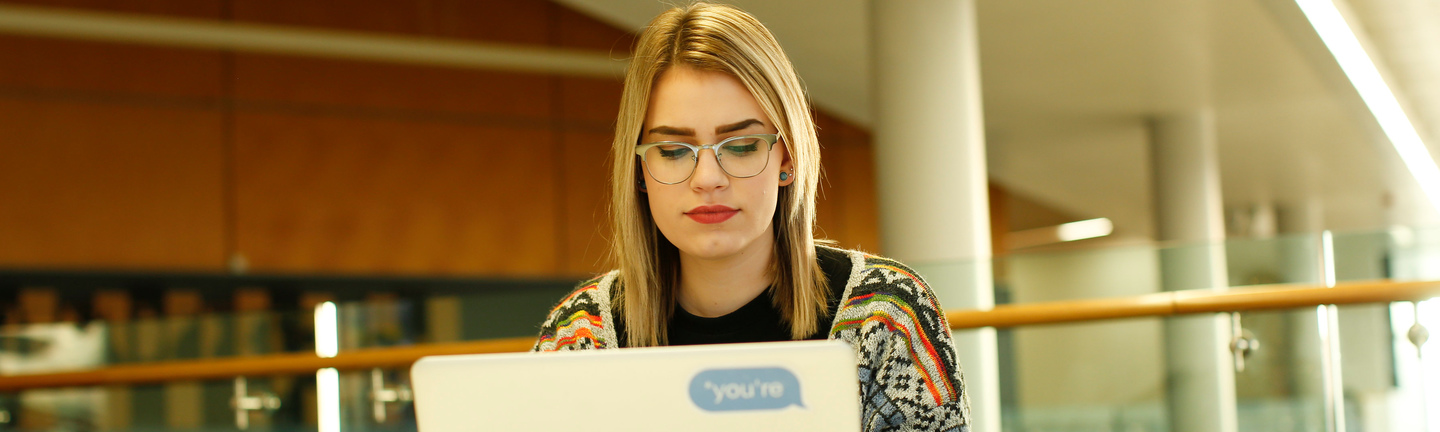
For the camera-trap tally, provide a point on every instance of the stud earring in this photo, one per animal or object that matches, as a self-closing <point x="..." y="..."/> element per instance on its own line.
<point x="784" y="176"/>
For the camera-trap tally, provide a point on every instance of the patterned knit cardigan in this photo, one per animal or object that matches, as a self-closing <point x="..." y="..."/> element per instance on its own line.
<point x="909" y="378"/>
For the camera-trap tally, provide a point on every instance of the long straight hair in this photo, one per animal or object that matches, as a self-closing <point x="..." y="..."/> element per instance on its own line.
<point x="722" y="39"/>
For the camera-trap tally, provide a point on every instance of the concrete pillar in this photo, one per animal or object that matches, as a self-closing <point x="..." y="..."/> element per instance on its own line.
<point x="930" y="162"/>
<point x="1190" y="222"/>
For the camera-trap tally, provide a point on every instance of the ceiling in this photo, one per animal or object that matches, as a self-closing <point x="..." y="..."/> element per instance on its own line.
<point x="1069" y="88"/>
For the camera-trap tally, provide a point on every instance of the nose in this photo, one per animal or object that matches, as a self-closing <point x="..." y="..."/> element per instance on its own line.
<point x="708" y="175"/>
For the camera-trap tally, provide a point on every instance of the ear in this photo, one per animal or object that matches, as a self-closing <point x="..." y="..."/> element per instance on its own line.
<point x="787" y="165"/>
<point x="640" y="176"/>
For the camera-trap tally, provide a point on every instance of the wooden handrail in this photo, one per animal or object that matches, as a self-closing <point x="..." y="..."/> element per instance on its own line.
<point x="1192" y="302"/>
<point x="1147" y="305"/>
<point x="267" y="365"/>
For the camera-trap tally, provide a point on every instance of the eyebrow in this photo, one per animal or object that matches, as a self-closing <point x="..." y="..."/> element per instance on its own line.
<point x="668" y="130"/>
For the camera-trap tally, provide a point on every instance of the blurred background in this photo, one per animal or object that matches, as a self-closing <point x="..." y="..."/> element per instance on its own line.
<point x="183" y="180"/>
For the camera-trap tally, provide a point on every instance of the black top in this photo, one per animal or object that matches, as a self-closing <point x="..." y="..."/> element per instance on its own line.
<point x="758" y="320"/>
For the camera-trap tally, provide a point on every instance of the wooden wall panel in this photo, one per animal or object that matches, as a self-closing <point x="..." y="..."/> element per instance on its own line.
<point x="41" y="63"/>
<point x="109" y="186"/>
<point x="504" y="96"/>
<point x="585" y="184"/>
<point x="181" y="8"/>
<point x="847" y="211"/>
<point x="590" y="103"/>
<point x="334" y="194"/>
<point x="579" y="31"/>
<point x="509" y="21"/>
<point x="386" y="16"/>
<point x="862" y="206"/>
<point x="829" y="202"/>
<point x="338" y="166"/>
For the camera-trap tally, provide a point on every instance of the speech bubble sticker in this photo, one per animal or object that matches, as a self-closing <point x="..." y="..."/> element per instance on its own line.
<point x="745" y="389"/>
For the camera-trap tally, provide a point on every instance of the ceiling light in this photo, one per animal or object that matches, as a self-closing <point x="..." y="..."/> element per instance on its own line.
<point x="1085" y="229"/>
<point x="1340" y="38"/>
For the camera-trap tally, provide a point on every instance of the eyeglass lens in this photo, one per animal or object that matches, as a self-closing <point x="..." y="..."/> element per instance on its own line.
<point x="673" y="163"/>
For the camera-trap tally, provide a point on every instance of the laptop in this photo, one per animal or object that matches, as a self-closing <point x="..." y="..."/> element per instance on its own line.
<point x="754" y="387"/>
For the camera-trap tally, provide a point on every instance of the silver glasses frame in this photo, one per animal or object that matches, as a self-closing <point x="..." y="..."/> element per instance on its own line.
<point x="771" y="139"/>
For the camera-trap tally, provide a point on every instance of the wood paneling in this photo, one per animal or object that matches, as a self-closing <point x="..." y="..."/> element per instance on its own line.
<point x="585" y="184"/>
<point x="509" y="21"/>
<point x="862" y="209"/>
<point x="109" y="186"/>
<point x="334" y="194"/>
<point x="40" y="63"/>
<point x="579" y="31"/>
<point x="828" y="202"/>
<point x="507" y="97"/>
<point x="590" y="103"/>
<point x="387" y="16"/>
<point x="135" y="157"/>
<point x="846" y="208"/>
<point x="181" y="8"/>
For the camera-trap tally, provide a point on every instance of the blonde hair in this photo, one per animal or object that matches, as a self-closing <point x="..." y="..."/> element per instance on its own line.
<point x="723" y="39"/>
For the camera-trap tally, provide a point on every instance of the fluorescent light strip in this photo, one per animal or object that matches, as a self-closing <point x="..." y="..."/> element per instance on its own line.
<point x="327" y="332"/>
<point x="327" y="388"/>
<point x="1327" y="251"/>
<point x="1080" y="230"/>
<point x="1340" y="38"/>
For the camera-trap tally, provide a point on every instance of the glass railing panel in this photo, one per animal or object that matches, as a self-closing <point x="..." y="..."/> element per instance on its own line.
<point x="383" y="321"/>
<point x="1290" y="258"/>
<point x="448" y="317"/>
<point x="1121" y="375"/>
<point x="1105" y="376"/>
<point x="1416" y="370"/>
<point x="1280" y="384"/>
<point x="67" y="346"/>
<point x="325" y="401"/>
<point x="1415" y="253"/>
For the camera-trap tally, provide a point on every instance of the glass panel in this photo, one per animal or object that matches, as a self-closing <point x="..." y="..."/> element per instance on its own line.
<point x="288" y="403"/>
<point x="1107" y="376"/>
<point x="1281" y="387"/>
<point x="1113" y="375"/>
<point x="64" y="346"/>
<point x="380" y="321"/>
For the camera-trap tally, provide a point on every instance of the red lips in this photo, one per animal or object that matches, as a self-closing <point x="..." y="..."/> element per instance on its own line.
<point x="711" y="214"/>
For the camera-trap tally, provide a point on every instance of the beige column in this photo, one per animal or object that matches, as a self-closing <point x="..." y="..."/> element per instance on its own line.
<point x="1190" y="224"/>
<point x="930" y="161"/>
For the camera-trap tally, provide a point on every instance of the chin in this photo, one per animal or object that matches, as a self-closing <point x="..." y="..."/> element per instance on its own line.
<point x="712" y="245"/>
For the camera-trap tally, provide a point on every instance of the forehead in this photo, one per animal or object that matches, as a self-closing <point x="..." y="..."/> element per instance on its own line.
<point x="690" y="98"/>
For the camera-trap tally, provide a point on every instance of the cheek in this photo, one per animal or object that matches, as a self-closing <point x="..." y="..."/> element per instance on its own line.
<point x="656" y="197"/>
<point x="765" y="193"/>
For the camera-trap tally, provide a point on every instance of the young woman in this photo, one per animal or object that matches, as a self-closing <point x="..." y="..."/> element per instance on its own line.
<point x="713" y="199"/>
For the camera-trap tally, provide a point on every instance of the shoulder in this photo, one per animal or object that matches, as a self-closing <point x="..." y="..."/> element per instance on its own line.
<point x="892" y="318"/>
<point x="880" y="279"/>
<point x="582" y="320"/>
<point x="862" y="282"/>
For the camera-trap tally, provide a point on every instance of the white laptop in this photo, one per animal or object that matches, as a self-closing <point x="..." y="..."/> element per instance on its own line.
<point x="777" y="386"/>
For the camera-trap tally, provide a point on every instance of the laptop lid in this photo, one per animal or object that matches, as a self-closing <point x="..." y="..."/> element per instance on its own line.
<point x="777" y="386"/>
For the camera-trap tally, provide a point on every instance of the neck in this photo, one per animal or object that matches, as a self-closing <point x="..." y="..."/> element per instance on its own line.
<point x="712" y="287"/>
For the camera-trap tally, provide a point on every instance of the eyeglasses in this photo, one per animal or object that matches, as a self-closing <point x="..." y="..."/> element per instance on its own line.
<point x="672" y="162"/>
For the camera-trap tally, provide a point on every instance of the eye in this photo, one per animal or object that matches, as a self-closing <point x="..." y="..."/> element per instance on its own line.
<point x="742" y="147"/>
<point x="673" y="151"/>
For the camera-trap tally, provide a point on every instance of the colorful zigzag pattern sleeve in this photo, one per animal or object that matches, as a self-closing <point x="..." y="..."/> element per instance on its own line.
<point x="909" y="377"/>
<point x="582" y="320"/>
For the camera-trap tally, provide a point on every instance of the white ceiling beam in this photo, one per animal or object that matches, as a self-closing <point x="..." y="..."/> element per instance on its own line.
<point x="301" y="41"/>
